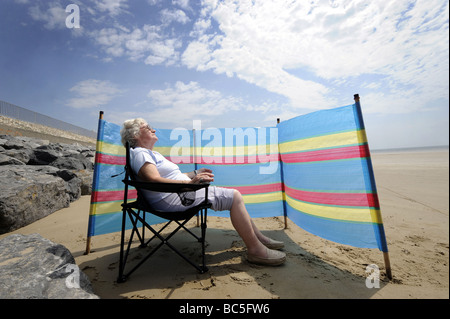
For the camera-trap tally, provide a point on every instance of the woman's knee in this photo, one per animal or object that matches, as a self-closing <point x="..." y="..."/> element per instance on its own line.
<point x="237" y="198"/>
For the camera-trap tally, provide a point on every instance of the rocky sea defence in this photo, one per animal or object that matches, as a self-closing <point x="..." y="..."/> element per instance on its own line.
<point x="38" y="178"/>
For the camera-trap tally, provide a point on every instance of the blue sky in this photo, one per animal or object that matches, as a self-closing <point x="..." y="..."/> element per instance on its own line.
<point x="232" y="63"/>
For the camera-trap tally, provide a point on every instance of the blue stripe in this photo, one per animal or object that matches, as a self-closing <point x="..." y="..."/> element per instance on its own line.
<point x="239" y="136"/>
<point x="318" y="123"/>
<point x="111" y="133"/>
<point x="176" y="137"/>
<point x="362" y="235"/>
<point x="344" y="175"/>
<point x="258" y="210"/>
<point x="241" y="175"/>
<point x="106" y="181"/>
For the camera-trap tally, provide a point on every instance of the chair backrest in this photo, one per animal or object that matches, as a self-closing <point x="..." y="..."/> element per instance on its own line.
<point x="128" y="170"/>
<point x="130" y="175"/>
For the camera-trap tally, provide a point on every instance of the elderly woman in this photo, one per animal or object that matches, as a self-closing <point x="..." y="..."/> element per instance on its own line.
<point x="151" y="166"/>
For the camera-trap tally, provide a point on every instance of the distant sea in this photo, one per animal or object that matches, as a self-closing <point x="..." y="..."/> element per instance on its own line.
<point x="412" y="149"/>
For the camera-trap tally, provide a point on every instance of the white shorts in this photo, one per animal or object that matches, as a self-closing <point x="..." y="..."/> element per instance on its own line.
<point x="220" y="198"/>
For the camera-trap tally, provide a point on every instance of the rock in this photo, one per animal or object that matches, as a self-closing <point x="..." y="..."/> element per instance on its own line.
<point x="8" y="160"/>
<point x="29" y="194"/>
<point x="22" y="155"/>
<point x="86" y="181"/>
<point x="73" y="183"/>
<point x="75" y="162"/>
<point x="13" y="144"/>
<point x="32" y="267"/>
<point x="43" y="156"/>
<point x="39" y="178"/>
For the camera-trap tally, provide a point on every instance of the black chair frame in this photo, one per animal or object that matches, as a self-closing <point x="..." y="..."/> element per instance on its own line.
<point x="137" y="210"/>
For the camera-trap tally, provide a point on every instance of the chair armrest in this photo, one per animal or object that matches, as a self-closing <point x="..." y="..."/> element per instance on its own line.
<point x="166" y="187"/>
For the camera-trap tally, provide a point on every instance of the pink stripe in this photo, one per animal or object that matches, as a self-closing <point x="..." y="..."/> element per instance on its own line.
<point x="327" y="155"/>
<point x="341" y="199"/>
<point x="108" y="196"/>
<point x="110" y="159"/>
<point x="258" y="189"/>
<point x="231" y="160"/>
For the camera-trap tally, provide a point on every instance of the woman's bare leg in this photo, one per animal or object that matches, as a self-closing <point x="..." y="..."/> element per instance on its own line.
<point x="262" y="238"/>
<point x="245" y="227"/>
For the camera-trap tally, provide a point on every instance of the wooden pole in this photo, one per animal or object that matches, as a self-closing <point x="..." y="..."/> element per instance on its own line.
<point x="387" y="262"/>
<point x="89" y="238"/>
<point x="282" y="186"/>
<point x="194" y="144"/>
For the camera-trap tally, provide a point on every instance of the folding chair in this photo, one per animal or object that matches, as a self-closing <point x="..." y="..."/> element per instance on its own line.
<point x="138" y="209"/>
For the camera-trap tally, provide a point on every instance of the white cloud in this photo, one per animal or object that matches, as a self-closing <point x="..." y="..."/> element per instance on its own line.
<point x="200" y="27"/>
<point x="113" y="7"/>
<point x="53" y="16"/>
<point x="264" y="42"/>
<point x="93" y="93"/>
<point x="175" y="15"/>
<point x="145" y="44"/>
<point x="182" y="3"/>
<point x="189" y="101"/>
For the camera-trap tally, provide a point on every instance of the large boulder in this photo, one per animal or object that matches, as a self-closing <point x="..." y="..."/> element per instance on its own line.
<point x="32" y="267"/>
<point x="28" y="194"/>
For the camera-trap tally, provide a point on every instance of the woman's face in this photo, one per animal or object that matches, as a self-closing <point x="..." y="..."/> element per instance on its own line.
<point x="146" y="137"/>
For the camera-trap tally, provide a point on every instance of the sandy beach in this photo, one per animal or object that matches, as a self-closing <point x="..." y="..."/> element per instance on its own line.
<point x="413" y="189"/>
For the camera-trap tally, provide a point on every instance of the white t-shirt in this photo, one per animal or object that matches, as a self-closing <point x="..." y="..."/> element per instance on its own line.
<point x="139" y="156"/>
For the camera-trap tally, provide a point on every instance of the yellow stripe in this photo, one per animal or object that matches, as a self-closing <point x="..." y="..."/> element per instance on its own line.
<point x="262" y="198"/>
<point x="338" y="213"/>
<point x="178" y="151"/>
<point x="112" y="207"/>
<point x="218" y="151"/>
<point x="113" y="149"/>
<point x="331" y="212"/>
<point x="347" y="138"/>
<point x="106" y="208"/>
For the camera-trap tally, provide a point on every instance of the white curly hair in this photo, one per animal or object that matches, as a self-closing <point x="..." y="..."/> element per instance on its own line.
<point x="130" y="130"/>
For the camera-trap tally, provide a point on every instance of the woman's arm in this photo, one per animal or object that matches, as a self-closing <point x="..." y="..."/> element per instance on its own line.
<point x="149" y="172"/>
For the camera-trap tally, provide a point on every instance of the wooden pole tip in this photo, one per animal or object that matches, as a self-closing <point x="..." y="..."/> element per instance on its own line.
<point x="356" y="97"/>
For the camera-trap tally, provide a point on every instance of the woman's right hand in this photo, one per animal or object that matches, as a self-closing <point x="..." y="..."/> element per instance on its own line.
<point x="204" y="177"/>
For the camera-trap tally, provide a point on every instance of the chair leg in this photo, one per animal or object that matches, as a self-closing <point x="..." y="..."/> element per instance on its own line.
<point x="121" y="277"/>
<point x="135" y="218"/>
<point x="124" y="253"/>
<point x="143" y="244"/>
<point x="203" y="226"/>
